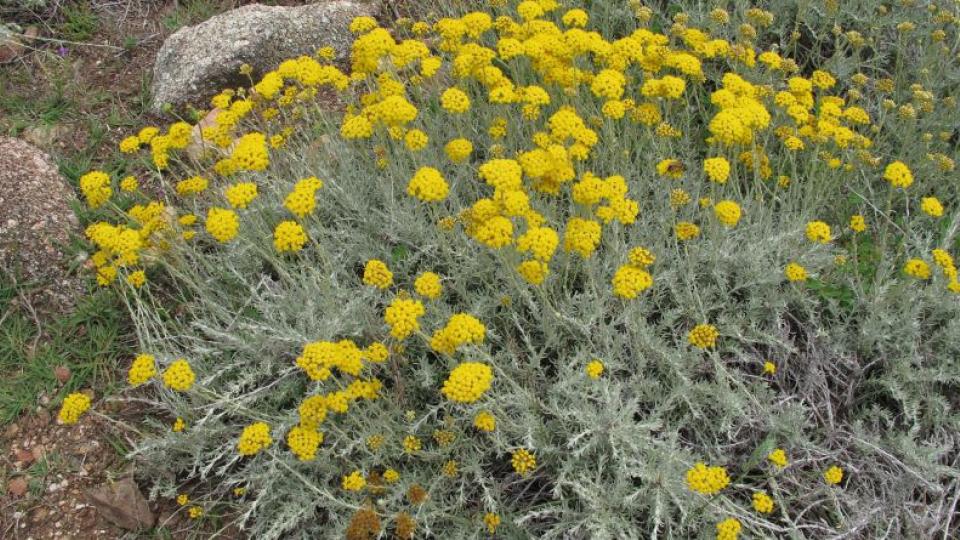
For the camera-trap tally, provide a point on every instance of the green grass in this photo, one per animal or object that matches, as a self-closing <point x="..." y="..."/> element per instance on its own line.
<point x="191" y="12"/>
<point x="91" y="341"/>
<point x="80" y="22"/>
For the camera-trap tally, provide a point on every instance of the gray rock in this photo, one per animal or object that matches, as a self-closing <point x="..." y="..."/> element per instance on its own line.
<point x="198" y="61"/>
<point x="122" y="504"/>
<point x="36" y="222"/>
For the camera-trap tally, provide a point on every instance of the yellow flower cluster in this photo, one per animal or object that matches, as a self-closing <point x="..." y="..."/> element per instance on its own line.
<point x="460" y="330"/>
<point x="354" y="481"/>
<point x="428" y="285"/>
<point x="917" y="268"/>
<point x="376" y="274"/>
<point x="703" y="336"/>
<point x="74" y="405"/>
<point x="728" y="529"/>
<point x="778" y="457"/>
<point x="931" y="206"/>
<point x="727" y="212"/>
<point x="485" y="421"/>
<point x="289" y="236"/>
<point x="454" y="100"/>
<point x="717" y="169"/>
<point x="458" y="150"/>
<point x="142" y="370"/>
<point x="320" y="357"/>
<point x="301" y="201"/>
<point x="255" y="438"/>
<point x="179" y="376"/>
<point x="401" y="315"/>
<point x="192" y="186"/>
<point x="428" y="185"/>
<point x="795" y="272"/>
<point x="523" y="461"/>
<point x="411" y="444"/>
<point x="630" y="280"/>
<point x="249" y="154"/>
<point x="707" y="480"/>
<point x="762" y="502"/>
<point x="468" y="382"/>
<point x="594" y="369"/>
<point x="898" y="174"/>
<point x="241" y="194"/>
<point x="222" y="224"/>
<point x="303" y="442"/>
<point x="818" y="231"/>
<point x="95" y="186"/>
<point x="833" y="475"/>
<point x="582" y="236"/>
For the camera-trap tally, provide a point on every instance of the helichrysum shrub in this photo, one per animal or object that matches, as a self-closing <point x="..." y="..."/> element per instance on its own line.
<point x="560" y="272"/>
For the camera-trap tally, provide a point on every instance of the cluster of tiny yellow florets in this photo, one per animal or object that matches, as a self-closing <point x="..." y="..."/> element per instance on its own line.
<point x="376" y="274"/>
<point x="320" y="357"/>
<point x="460" y="330"/>
<point x="523" y="461"/>
<point x="703" y="336"/>
<point x="74" y="405"/>
<point x="255" y="437"/>
<point x="468" y="382"/>
<point x="707" y="480"/>
<point x="143" y="369"/>
<point x="179" y="376"/>
<point x="401" y="315"/>
<point x="632" y="278"/>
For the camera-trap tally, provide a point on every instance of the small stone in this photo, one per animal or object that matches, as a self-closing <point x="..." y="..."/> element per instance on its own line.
<point x="62" y="373"/>
<point x="17" y="486"/>
<point x="122" y="504"/>
<point x="23" y="456"/>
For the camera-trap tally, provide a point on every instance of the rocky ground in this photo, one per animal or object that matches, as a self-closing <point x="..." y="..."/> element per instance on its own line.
<point x="72" y="85"/>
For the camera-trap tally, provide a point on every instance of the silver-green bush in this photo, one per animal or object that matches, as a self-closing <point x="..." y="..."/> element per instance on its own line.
<point x="854" y="366"/>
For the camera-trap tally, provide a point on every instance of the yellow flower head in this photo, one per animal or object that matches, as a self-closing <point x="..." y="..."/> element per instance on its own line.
<point x="428" y="285"/>
<point x="707" y="480"/>
<point x="778" y="457"/>
<point x="428" y="185"/>
<point x="376" y="274"/>
<point x="468" y="382"/>
<point x="74" y="405"/>
<point x="523" y="461"/>
<point x="833" y="475"/>
<point x="354" y="481"/>
<point x="255" y="437"/>
<point x="703" y="336"/>
<point x="795" y="272"/>
<point x="898" y="174"/>
<point x="594" y="369"/>
<point x="142" y="370"/>
<point x="485" y="421"/>
<point x="762" y="502"/>
<point x="629" y="281"/>
<point x="289" y="236"/>
<point x="818" y="231"/>
<point x="179" y="376"/>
